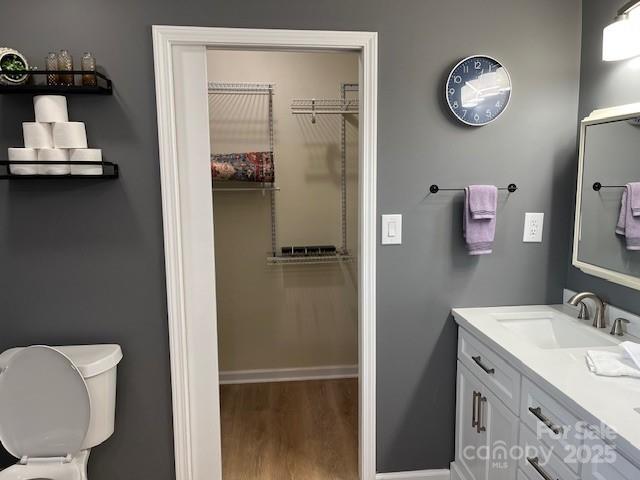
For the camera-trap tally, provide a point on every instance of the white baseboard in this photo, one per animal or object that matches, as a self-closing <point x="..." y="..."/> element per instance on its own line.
<point x="288" y="374"/>
<point x="416" y="475"/>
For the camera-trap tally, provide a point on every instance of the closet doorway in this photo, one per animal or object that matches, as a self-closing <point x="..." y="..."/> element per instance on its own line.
<point x="331" y="269"/>
<point x="284" y="161"/>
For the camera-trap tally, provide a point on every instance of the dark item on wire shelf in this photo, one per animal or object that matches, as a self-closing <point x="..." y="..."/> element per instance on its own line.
<point x="308" y="251"/>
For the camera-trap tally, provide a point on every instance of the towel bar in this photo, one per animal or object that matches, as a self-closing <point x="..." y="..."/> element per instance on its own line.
<point x="597" y="186"/>
<point x="512" y="187"/>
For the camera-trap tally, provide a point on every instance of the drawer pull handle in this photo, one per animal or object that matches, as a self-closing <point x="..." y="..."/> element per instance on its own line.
<point x="481" y="427"/>
<point x="537" y="412"/>
<point x="474" y="420"/>
<point x="535" y="463"/>
<point x="487" y="370"/>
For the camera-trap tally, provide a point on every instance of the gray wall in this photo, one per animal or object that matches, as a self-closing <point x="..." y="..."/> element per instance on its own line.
<point x="82" y="261"/>
<point x="604" y="84"/>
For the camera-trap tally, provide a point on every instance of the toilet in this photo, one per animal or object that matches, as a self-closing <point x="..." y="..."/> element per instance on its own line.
<point x="56" y="404"/>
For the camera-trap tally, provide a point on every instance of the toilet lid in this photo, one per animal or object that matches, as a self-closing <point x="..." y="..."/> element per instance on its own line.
<point x="44" y="404"/>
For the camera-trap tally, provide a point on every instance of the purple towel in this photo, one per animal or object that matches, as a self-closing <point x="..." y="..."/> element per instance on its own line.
<point x="478" y="233"/>
<point x="628" y="224"/>
<point x="483" y="200"/>
<point x="634" y="197"/>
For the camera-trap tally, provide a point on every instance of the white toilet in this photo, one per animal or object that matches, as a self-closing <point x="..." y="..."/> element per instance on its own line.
<point x="56" y="403"/>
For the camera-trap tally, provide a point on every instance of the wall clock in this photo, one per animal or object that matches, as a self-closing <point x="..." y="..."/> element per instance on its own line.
<point x="478" y="90"/>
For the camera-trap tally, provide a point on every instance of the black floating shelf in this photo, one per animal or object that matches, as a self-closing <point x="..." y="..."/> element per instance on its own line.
<point x="103" y="85"/>
<point x="110" y="170"/>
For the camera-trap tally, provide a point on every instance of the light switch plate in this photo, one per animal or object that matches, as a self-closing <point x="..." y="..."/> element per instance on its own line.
<point x="392" y="229"/>
<point x="533" y="225"/>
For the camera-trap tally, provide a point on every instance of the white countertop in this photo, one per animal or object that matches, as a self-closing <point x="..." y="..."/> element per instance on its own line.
<point x="563" y="372"/>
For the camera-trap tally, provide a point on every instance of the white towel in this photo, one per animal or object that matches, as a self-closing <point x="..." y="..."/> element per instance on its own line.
<point x="633" y="351"/>
<point x="611" y="364"/>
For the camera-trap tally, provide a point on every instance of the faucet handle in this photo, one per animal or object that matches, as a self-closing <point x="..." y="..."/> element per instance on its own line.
<point x="616" y="328"/>
<point x="583" y="314"/>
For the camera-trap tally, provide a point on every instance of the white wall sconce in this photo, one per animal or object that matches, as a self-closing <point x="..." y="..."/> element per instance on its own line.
<point x="621" y="39"/>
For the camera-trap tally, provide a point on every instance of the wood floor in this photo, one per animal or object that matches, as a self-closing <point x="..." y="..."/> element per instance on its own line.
<point x="304" y="430"/>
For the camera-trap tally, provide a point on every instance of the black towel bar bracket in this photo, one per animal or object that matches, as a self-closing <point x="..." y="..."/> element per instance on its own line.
<point x="597" y="186"/>
<point x="512" y="187"/>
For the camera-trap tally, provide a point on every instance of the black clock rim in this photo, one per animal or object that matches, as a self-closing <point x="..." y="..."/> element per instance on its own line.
<point x="446" y="89"/>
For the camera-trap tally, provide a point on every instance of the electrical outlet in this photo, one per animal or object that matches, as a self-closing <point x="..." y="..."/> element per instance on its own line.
<point x="533" y="224"/>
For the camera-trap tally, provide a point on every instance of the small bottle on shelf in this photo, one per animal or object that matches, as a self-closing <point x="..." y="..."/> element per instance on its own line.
<point x="65" y="63"/>
<point x="51" y="65"/>
<point x="89" y="65"/>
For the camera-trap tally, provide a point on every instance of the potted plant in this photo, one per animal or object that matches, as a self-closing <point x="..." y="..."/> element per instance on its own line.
<point x="12" y="61"/>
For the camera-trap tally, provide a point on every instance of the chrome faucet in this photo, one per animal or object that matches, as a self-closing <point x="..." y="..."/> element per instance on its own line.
<point x="598" y="317"/>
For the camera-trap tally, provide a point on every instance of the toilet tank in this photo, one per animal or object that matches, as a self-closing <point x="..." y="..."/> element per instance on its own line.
<point x="98" y="366"/>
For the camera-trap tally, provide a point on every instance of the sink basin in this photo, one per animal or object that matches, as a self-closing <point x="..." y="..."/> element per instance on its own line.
<point x="550" y="330"/>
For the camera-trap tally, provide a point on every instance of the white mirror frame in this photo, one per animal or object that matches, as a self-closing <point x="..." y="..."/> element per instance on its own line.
<point x="605" y="115"/>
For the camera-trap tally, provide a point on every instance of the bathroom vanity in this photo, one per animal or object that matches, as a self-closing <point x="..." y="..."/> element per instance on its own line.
<point x="527" y="406"/>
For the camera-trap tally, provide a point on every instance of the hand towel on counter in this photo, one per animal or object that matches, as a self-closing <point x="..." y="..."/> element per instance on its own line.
<point x="479" y="233"/>
<point x="483" y="201"/>
<point x="628" y="223"/>
<point x="632" y="350"/>
<point x="611" y="364"/>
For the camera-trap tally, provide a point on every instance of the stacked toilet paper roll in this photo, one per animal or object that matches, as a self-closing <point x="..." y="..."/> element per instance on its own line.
<point x="23" y="155"/>
<point x="37" y="135"/>
<point x="50" y="108"/>
<point x="53" y="138"/>
<point x="69" y="135"/>
<point x="86" y="155"/>
<point x="53" y="155"/>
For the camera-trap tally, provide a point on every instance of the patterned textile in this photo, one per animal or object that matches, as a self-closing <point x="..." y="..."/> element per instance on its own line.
<point x="243" y="167"/>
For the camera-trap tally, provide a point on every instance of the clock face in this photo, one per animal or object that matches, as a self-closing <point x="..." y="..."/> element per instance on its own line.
<point x="478" y="90"/>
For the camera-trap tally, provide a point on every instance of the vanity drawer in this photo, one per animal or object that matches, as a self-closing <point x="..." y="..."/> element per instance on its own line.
<point x="551" y="422"/>
<point x="609" y="465"/>
<point x="523" y="476"/>
<point x="539" y="461"/>
<point x="492" y="370"/>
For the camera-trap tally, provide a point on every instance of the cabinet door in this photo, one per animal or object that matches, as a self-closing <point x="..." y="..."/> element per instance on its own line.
<point x="485" y="431"/>
<point x="502" y="428"/>
<point x="608" y="464"/>
<point x="468" y="440"/>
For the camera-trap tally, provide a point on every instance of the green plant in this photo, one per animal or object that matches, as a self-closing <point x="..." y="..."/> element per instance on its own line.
<point x="12" y="63"/>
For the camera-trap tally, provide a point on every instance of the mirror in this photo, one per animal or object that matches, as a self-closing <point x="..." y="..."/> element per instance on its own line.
<point x="609" y="159"/>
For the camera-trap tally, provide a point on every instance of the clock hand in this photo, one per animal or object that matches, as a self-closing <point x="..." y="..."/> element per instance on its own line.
<point x="471" y="86"/>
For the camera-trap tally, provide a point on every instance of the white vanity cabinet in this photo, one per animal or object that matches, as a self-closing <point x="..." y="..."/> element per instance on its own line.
<point x="482" y="421"/>
<point x="500" y="411"/>
<point x="615" y="468"/>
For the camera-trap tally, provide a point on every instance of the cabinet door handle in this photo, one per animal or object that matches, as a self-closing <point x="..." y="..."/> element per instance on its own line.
<point x="537" y="412"/>
<point x="474" y="421"/>
<point x="535" y="463"/>
<point x="487" y="370"/>
<point x="481" y="426"/>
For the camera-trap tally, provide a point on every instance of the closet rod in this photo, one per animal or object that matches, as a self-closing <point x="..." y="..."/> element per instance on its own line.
<point x="325" y="112"/>
<point x="246" y="189"/>
<point x="512" y="187"/>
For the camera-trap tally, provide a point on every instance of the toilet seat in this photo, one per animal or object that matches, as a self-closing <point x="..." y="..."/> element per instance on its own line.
<point x="44" y="412"/>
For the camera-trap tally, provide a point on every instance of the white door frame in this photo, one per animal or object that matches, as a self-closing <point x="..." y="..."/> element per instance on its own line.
<point x="187" y="208"/>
